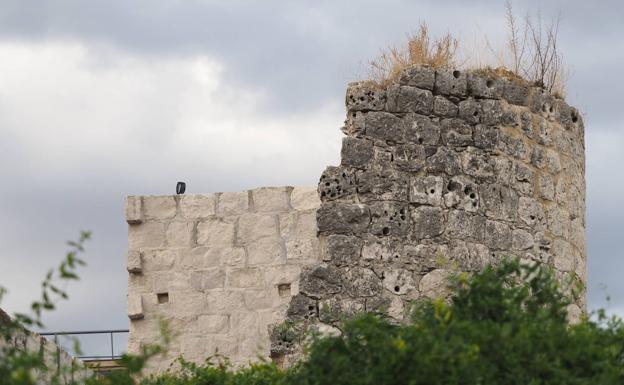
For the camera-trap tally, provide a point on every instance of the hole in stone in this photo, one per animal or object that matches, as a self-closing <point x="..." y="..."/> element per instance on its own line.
<point x="474" y="204"/>
<point x="543" y="108"/>
<point x="396" y="257"/>
<point x="574" y="118"/>
<point x="432" y="191"/>
<point x="385" y="231"/>
<point x="532" y="217"/>
<point x="467" y="190"/>
<point x="402" y="217"/>
<point x="283" y="289"/>
<point x="402" y="211"/>
<point x="310" y="307"/>
<point x="385" y="212"/>
<point x="476" y="113"/>
<point x="473" y="195"/>
<point x="456" y="74"/>
<point x="162" y="297"/>
<point x="327" y="184"/>
<point x="353" y="114"/>
<point x="489" y="83"/>
<point x="344" y="175"/>
<point x="332" y="195"/>
<point x="362" y="98"/>
<point x="397" y="289"/>
<point x="551" y="109"/>
<point x="420" y="140"/>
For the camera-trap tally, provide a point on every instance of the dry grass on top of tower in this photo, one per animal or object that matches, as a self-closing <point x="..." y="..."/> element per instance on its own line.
<point x="531" y="54"/>
<point x="419" y="50"/>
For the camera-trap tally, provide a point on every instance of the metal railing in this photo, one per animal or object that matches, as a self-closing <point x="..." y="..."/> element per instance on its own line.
<point x="112" y="356"/>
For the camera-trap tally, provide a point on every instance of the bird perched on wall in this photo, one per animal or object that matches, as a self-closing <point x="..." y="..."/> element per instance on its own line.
<point x="180" y="188"/>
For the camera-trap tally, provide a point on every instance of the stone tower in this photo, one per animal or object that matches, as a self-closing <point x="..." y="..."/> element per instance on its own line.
<point x="443" y="171"/>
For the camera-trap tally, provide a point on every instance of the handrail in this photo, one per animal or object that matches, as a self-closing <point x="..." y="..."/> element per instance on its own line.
<point x="112" y="332"/>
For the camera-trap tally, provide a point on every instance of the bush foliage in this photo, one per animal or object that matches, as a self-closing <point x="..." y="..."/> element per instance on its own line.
<point x="505" y="325"/>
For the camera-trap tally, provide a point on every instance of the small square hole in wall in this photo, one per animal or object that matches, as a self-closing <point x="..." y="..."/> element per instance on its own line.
<point x="283" y="289"/>
<point x="163" y="297"/>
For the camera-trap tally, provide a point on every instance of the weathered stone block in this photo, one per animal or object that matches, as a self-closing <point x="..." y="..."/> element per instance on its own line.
<point x="500" y="202"/>
<point x="232" y="203"/>
<point x="399" y="281"/>
<point x="320" y="281"/>
<point x="198" y="206"/>
<point x="421" y="129"/>
<point x="435" y="284"/>
<point x="252" y="227"/>
<point x="336" y="183"/>
<point x="365" y="96"/>
<point x="215" y="233"/>
<point x="302" y="307"/>
<point x="468" y="256"/>
<point x="302" y="250"/>
<point x="150" y="234"/>
<point x="427" y="190"/>
<point x="344" y="250"/>
<point x="409" y="99"/>
<point x="444" y="107"/>
<point x="497" y="235"/>
<point x="483" y="86"/>
<point x="135" y="263"/>
<point x="444" y="160"/>
<point x="375" y="185"/>
<point x="135" y="307"/>
<point x="389" y="219"/>
<point x="180" y="234"/>
<point x="470" y="111"/>
<point x="361" y="282"/>
<point x="492" y="113"/>
<point x="343" y="218"/>
<point x="515" y="92"/>
<point x="133" y="210"/>
<point x="563" y="255"/>
<point x="303" y="199"/>
<point x="477" y="164"/>
<point x="245" y="277"/>
<point x="462" y="193"/>
<point x="266" y="251"/>
<point x="522" y="240"/>
<point x="421" y="77"/>
<point x="159" y="207"/>
<point x="298" y="225"/>
<point x="214" y="324"/>
<point x="356" y="153"/>
<point x="203" y="257"/>
<point x="208" y="279"/>
<point x="409" y="157"/>
<point x="465" y="226"/>
<point x="385" y="127"/>
<point x="427" y="257"/>
<point x="271" y="199"/>
<point x="546" y="187"/>
<point x="377" y="249"/>
<point x="486" y="137"/>
<point x="530" y="212"/>
<point x="456" y="133"/>
<point x="427" y="222"/>
<point x="338" y="308"/>
<point x="451" y="83"/>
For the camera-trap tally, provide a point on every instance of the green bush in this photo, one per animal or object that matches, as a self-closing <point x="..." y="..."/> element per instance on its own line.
<point x="506" y="325"/>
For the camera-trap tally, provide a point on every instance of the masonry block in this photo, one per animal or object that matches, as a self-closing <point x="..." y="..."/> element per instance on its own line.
<point x="135" y="307"/>
<point x="215" y="233"/>
<point x="135" y="265"/>
<point x="198" y="206"/>
<point x="233" y="203"/>
<point x="271" y="199"/>
<point x="159" y="207"/>
<point x="133" y="210"/>
<point x="252" y="227"/>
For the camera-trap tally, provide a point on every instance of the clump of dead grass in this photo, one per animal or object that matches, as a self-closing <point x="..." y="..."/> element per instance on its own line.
<point x="420" y="50"/>
<point x="531" y="53"/>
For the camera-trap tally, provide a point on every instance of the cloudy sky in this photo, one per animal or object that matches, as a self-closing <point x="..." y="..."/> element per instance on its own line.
<point x="103" y="99"/>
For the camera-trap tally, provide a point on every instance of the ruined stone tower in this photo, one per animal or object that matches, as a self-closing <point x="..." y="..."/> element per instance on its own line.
<point x="444" y="171"/>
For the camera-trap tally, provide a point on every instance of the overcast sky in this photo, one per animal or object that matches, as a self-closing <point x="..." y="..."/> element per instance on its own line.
<point x="103" y="99"/>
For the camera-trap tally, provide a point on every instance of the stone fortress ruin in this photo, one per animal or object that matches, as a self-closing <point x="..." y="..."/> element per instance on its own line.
<point x="441" y="171"/>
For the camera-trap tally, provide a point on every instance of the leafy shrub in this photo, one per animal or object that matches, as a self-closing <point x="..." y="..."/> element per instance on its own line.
<point x="505" y="325"/>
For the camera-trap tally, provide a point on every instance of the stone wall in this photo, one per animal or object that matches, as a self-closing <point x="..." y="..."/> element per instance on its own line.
<point x="59" y="362"/>
<point x="219" y="268"/>
<point x="444" y="171"/>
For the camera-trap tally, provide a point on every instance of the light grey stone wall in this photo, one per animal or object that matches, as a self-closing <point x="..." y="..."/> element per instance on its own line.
<point x="444" y="171"/>
<point x="66" y="368"/>
<point x="219" y="268"/>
